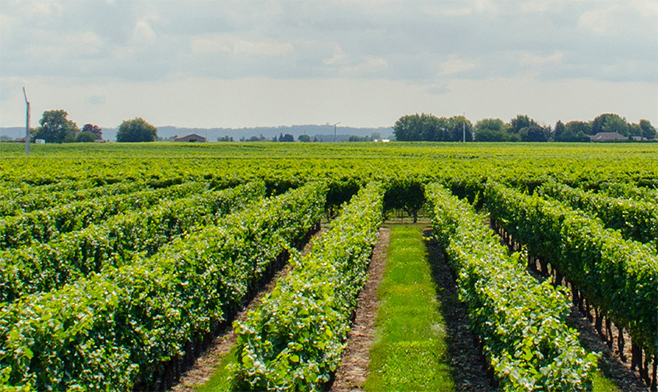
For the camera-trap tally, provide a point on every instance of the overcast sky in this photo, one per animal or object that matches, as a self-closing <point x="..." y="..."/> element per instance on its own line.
<point x="363" y="63"/>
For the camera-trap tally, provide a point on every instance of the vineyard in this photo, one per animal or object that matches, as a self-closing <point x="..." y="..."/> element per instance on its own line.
<point x="120" y="264"/>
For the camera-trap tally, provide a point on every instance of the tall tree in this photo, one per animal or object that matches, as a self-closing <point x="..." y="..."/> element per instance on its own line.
<point x="55" y="127"/>
<point x="491" y="130"/>
<point x="98" y="132"/>
<point x="137" y="130"/>
<point x="648" y="130"/>
<point x="408" y="128"/>
<point x="521" y="121"/>
<point x="610" y="122"/>
<point x="614" y="123"/>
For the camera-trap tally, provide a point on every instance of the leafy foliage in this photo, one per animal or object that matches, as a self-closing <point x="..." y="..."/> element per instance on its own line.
<point x="637" y="220"/>
<point x="48" y="224"/>
<point x="616" y="275"/>
<point x="108" y="331"/>
<point x="295" y="338"/>
<point x="42" y="267"/>
<point x="520" y="321"/>
<point x="56" y="127"/>
<point x="136" y="130"/>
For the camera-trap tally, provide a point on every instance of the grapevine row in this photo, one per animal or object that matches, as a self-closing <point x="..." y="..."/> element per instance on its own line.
<point x="520" y="322"/>
<point x="44" y="198"/>
<point x="619" y="276"/>
<point x="46" y="225"/>
<point x="295" y="338"/>
<point x="42" y="267"/>
<point x="636" y="220"/>
<point x="111" y="331"/>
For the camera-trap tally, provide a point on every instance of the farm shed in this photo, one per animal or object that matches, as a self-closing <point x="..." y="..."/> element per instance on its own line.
<point x="190" y="137"/>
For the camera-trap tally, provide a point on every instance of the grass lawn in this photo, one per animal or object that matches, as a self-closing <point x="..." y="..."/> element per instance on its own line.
<point x="409" y="352"/>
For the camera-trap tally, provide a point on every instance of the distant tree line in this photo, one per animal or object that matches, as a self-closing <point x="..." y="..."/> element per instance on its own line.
<point x="55" y="127"/>
<point x="302" y="138"/>
<point x="426" y="127"/>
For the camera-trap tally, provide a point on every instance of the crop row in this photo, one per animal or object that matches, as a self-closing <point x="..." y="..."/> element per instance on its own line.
<point x="294" y="340"/>
<point x="119" y="328"/>
<point x="47" y="224"/>
<point x="622" y="189"/>
<point x="43" y="197"/>
<point x="44" y="266"/>
<point x="636" y="220"/>
<point x="619" y="276"/>
<point x="520" y="321"/>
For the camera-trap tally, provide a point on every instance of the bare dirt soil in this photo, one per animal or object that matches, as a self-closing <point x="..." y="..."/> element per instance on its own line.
<point x="469" y="367"/>
<point x="206" y="365"/>
<point x="353" y="372"/>
<point x="468" y="363"/>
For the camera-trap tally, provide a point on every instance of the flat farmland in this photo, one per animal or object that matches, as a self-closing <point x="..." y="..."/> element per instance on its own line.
<point x="122" y="263"/>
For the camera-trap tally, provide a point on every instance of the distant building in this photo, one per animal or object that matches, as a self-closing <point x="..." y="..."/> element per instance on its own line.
<point x="608" y="137"/>
<point x="190" y="137"/>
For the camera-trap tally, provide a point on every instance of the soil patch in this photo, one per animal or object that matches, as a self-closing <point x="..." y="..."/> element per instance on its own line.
<point x="610" y="363"/>
<point x="206" y="365"/>
<point x="353" y="371"/>
<point x="468" y="363"/>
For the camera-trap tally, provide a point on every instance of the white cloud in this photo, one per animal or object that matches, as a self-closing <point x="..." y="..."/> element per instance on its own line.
<point x="424" y="45"/>
<point x="438" y="89"/>
<point x="228" y="43"/>
<point x="455" y="65"/>
<point x="461" y="8"/>
<point x="368" y="65"/>
<point x="599" y="21"/>
<point x="647" y="8"/>
<point x="47" y="8"/>
<point x="143" y="34"/>
<point x="337" y="58"/>
<point x="529" y="59"/>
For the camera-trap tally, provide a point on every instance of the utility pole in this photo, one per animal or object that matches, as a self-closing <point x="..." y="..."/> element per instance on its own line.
<point x="27" y="124"/>
<point x="464" y="129"/>
<point x="335" y="140"/>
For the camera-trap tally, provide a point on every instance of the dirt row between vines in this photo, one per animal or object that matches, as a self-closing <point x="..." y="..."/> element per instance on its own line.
<point x="611" y="364"/>
<point x="206" y="365"/>
<point x="469" y="367"/>
<point x="353" y="371"/>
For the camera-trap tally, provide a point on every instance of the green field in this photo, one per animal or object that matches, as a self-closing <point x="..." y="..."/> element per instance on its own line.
<point x="119" y="262"/>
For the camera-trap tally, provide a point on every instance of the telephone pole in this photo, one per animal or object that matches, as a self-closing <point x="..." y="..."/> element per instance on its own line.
<point x="335" y="131"/>
<point x="27" y="124"/>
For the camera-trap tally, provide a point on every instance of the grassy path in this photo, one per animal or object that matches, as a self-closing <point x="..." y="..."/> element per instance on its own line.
<point x="410" y="350"/>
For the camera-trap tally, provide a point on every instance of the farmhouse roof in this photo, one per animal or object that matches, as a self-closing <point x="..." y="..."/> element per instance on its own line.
<point x="607" y="137"/>
<point x="190" y="137"/>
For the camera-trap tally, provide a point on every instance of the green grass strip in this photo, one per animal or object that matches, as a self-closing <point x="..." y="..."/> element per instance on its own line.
<point x="410" y="351"/>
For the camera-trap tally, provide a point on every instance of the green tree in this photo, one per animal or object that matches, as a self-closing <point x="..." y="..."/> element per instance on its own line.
<point x="137" y="130"/>
<point x="86" y="137"/>
<point x="491" y="130"/>
<point x="304" y="138"/>
<point x="648" y="130"/>
<point x="534" y="133"/>
<point x="94" y="129"/>
<point x="56" y="128"/>
<point x="560" y="130"/>
<point x="610" y="122"/>
<point x="455" y="129"/>
<point x="408" y="128"/>
<point x="617" y="124"/>
<point x="634" y="130"/>
<point x="519" y="122"/>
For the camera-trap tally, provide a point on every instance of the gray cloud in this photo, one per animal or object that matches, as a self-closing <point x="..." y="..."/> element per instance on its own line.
<point x="410" y="41"/>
